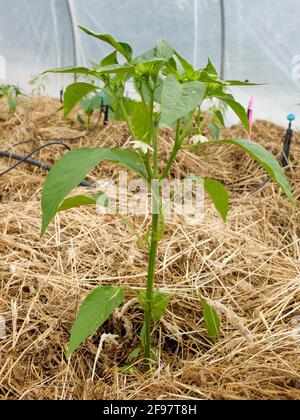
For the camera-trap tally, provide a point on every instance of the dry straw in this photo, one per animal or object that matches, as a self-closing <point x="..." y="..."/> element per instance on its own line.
<point x="249" y="269"/>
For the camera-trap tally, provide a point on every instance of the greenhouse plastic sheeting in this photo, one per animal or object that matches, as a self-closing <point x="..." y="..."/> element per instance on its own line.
<point x="261" y="40"/>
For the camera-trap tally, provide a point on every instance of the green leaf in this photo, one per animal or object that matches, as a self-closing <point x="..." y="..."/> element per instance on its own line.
<point x="134" y="354"/>
<point x="140" y="121"/>
<point x="146" y="56"/>
<point x="126" y="47"/>
<point x="73" y="167"/>
<point x="220" y="117"/>
<point x="236" y="107"/>
<point x="93" y="312"/>
<point x="219" y="196"/>
<point x="187" y="67"/>
<point x="95" y="102"/>
<point x="109" y="60"/>
<point x="74" y="94"/>
<point x="239" y="83"/>
<point x="115" y="69"/>
<point x="210" y="69"/>
<point x="86" y="106"/>
<point x="160" y="302"/>
<point x="212" y="321"/>
<point x="123" y="48"/>
<point x="12" y="103"/>
<point x="163" y="49"/>
<point x="80" y="120"/>
<point x="179" y="99"/>
<point x="83" y="200"/>
<point x="267" y="161"/>
<point x="77" y="70"/>
<point x="159" y="305"/>
<point x="215" y="131"/>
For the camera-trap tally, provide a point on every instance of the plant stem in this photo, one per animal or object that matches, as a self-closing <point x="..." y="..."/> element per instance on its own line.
<point x="175" y="150"/>
<point x="149" y="293"/>
<point x="154" y="245"/>
<point x="178" y="143"/>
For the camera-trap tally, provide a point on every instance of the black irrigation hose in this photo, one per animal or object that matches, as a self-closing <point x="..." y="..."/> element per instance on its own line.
<point x="24" y="158"/>
<point x="27" y="159"/>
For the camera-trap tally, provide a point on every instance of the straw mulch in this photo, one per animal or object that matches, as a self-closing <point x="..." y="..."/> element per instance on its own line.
<point x="249" y="268"/>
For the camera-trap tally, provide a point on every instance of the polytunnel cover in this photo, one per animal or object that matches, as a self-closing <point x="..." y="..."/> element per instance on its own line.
<point x="261" y="42"/>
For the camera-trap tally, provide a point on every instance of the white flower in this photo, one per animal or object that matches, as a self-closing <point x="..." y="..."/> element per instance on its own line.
<point x="140" y="145"/>
<point x="156" y="108"/>
<point x="198" y="140"/>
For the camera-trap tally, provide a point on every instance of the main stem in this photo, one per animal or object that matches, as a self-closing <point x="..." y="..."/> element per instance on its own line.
<point x="149" y="293"/>
<point x="154" y="242"/>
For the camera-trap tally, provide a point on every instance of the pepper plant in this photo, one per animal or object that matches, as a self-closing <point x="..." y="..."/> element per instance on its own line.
<point x="171" y="91"/>
<point x="11" y="92"/>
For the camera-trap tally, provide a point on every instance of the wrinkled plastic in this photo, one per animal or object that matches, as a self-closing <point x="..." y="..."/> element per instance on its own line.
<point x="262" y="42"/>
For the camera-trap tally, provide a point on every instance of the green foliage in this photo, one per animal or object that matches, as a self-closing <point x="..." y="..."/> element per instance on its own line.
<point x="160" y="302"/>
<point x="93" y="312"/>
<point x="74" y="94"/>
<point x="179" y="99"/>
<point x="73" y="167"/>
<point x="267" y="161"/>
<point x="212" y="321"/>
<point x="219" y="196"/>
<point x="163" y="76"/>
<point x="123" y="48"/>
<point x="11" y="92"/>
<point x="215" y="131"/>
<point x="83" y="200"/>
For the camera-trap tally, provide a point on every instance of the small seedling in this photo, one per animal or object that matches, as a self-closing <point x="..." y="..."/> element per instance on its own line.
<point x="171" y="91"/>
<point x="11" y="92"/>
<point x="89" y="105"/>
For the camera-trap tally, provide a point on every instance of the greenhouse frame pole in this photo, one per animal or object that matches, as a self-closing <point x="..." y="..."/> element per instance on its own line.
<point x="223" y="38"/>
<point x="73" y="23"/>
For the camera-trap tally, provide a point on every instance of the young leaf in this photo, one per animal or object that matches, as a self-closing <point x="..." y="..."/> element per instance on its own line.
<point x="179" y="99"/>
<point x="220" y="117"/>
<point x="239" y="83"/>
<point x="122" y="47"/>
<point x="74" y="94"/>
<point x="160" y="302"/>
<point x="210" y="69"/>
<point x="212" y="321"/>
<point x="219" y="196"/>
<point x="267" y="161"/>
<point x="140" y="120"/>
<point x="109" y="60"/>
<point x="83" y="200"/>
<point x="115" y="69"/>
<point x="215" y="131"/>
<point x="187" y="67"/>
<point x="236" y="107"/>
<point x="163" y="49"/>
<point x="12" y="103"/>
<point x="77" y="70"/>
<point x="73" y="167"/>
<point x="134" y="354"/>
<point x="93" y="312"/>
<point x="159" y="305"/>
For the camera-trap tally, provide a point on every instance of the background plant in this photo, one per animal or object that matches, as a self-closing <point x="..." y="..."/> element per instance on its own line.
<point x="11" y="93"/>
<point x="171" y="92"/>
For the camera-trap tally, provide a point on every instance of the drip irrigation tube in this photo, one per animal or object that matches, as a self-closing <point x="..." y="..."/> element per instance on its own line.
<point x="33" y="162"/>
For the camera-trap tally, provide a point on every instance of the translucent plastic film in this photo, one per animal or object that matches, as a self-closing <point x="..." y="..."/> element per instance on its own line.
<point x="262" y="42"/>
